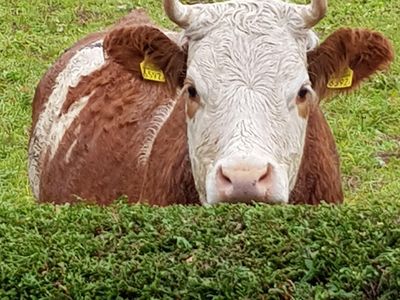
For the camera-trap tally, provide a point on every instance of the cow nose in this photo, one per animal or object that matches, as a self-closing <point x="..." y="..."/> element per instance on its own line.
<point x="244" y="183"/>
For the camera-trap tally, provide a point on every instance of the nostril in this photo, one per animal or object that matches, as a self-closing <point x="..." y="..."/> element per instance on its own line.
<point x="264" y="178"/>
<point x="222" y="177"/>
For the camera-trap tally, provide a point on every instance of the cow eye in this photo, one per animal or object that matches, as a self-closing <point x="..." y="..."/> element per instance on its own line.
<point x="303" y="93"/>
<point x="192" y="91"/>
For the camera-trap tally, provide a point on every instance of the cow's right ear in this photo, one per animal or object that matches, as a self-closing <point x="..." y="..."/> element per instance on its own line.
<point x="128" y="46"/>
<point x="363" y="51"/>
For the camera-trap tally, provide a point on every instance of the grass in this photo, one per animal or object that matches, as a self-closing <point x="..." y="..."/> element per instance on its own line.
<point x="229" y="251"/>
<point x="226" y="252"/>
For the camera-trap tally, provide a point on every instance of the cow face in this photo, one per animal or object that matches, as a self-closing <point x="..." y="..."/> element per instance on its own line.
<point x="248" y="94"/>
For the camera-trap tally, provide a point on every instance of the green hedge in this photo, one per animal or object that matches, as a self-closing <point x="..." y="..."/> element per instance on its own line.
<point x="223" y="252"/>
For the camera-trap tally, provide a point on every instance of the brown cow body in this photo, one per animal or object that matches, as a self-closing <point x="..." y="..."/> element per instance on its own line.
<point x="99" y="157"/>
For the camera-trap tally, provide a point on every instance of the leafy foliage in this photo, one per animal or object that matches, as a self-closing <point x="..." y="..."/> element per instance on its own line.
<point x="224" y="252"/>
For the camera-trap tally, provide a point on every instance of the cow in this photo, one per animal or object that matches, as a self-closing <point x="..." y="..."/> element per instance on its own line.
<point x="226" y="110"/>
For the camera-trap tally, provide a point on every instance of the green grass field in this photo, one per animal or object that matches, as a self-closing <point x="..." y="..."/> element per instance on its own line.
<point x="72" y="252"/>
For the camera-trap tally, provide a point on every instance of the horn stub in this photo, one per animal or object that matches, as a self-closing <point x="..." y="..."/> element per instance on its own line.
<point x="177" y="12"/>
<point x="315" y="12"/>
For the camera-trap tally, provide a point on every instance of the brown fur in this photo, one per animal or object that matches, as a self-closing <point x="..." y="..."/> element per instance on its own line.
<point x="319" y="175"/>
<point x="303" y="109"/>
<point x="129" y="46"/>
<point x="104" y="163"/>
<point x="304" y="104"/>
<point x="46" y="84"/>
<point x="191" y="108"/>
<point x="111" y="129"/>
<point x="364" y="51"/>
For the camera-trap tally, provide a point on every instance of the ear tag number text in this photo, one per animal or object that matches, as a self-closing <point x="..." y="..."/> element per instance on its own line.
<point x="151" y="72"/>
<point x="344" y="81"/>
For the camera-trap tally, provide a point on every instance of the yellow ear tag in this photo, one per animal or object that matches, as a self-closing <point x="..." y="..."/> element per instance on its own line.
<point x="344" y="81"/>
<point x="151" y="72"/>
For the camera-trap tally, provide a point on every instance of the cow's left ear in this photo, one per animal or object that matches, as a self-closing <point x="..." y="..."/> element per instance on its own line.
<point x="129" y="46"/>
<point x="363" y="51"/>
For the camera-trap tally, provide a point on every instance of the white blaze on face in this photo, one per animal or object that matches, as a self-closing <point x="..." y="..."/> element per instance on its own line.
<point x="247" y="61"/>
<point x="51" y="124"/>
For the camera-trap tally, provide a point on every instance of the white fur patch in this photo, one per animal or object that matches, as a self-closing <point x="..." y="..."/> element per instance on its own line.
<point x="66" y="121"/>
<point x="51" y="125"/>
<point x="160" y="117"/>
<point x="60" y="127"/>
<point x="68" y="155"/>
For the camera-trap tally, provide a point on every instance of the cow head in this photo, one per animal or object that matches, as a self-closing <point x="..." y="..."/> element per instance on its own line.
<point x="254" y="72"/>
<point x="248" y="95"/>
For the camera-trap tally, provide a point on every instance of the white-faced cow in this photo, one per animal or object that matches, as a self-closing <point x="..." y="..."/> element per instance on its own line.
<point x="237" y="118"/>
